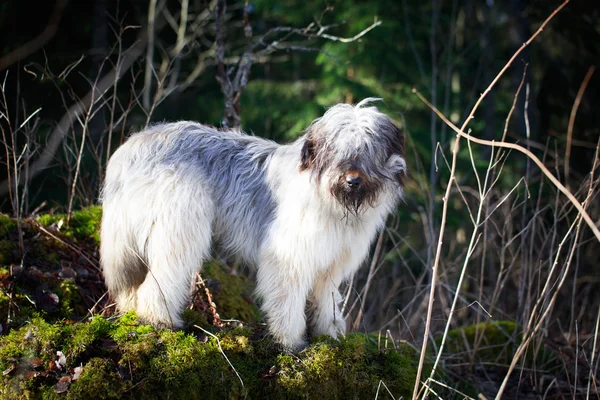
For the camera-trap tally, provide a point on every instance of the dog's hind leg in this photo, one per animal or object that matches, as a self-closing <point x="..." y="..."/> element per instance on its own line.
<point x="123" y="268"/>
<point x="178" y="243"/>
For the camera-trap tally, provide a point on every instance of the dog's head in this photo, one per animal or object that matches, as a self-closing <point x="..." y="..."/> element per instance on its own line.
<point x="357" y="153"/>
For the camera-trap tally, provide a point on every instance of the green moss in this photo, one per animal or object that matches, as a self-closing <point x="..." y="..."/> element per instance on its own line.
<point x="21" y="309"/>
<point x="79" y="337"/>
<point x="232" y="294"/>
<point x="495" y="340"/>
<point x="4" y="302"/>
<point x="7" y="224"/>
<point x="122" y="358"/>
<point x="128" y="328"/>
<point x="143" y="363"/>
<point x="71" y="302"/>
<point x="36" y="339"/>
<point x="350" y="369"/>
<point x="7" y="248"/>
<point x="18" y="389"/>
<point x="99" y="379"/>
<point x="192" y="317"/>
<point x="45" y="253"/>
<point x="84" y="224"/>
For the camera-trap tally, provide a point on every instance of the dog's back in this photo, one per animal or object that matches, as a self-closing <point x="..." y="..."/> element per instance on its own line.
<point x="161" y="187"/>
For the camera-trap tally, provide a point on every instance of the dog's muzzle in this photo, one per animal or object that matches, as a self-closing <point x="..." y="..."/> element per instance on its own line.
<point x="353" y="180"/>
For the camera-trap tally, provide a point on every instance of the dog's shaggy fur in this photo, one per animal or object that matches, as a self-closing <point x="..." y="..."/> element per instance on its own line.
<point x="303" y="214"/>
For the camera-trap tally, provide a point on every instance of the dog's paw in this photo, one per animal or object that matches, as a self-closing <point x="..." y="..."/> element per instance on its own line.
<point x="294" y="347"/>
<point x="340" y="326"/>
<point x="336" y="328"/>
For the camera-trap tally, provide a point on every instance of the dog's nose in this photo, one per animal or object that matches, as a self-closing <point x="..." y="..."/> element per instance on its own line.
<point x="353" y="181"/>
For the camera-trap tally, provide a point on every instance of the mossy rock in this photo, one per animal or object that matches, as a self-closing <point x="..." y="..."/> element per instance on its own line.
<point x="59" y="300"/>
<point x="123" y="359"/>
<point x="47" y="279"/>
<point x="99" y="379"/>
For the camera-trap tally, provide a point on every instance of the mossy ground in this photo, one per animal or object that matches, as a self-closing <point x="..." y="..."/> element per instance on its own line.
<point x="50" y="292"/>
<point x="122" y="359"/>
<point x="83" y="224"/>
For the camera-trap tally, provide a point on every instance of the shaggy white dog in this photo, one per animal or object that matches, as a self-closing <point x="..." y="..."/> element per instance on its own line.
<point x="303" y="214"/>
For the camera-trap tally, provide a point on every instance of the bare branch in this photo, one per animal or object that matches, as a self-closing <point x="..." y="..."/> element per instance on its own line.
<point x="76" y="110"/>
<point x="578" y="98"/>
<point x="529" y="154"/>
<point x="182" y="26"/>
<point x="347" y="40"/>
<point x="34" y="45"/>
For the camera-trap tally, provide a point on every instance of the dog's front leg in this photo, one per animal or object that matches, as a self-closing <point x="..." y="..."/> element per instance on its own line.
<point x="284" y="292"/>
<point x="326" y="317"/>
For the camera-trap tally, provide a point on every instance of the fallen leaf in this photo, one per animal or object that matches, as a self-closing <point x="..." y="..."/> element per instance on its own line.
<point x="62" y="360"/>
<point x="35" y="362"/>
<point x="77" y="372"/>
<point x="32" y="375"/>
<point x="62" y="385"/>
<point x="109" y="344"/>
<point x="53" y="366"/>
<point x="8" y="370"/>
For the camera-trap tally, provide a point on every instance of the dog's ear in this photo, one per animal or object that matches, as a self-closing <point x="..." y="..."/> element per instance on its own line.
<point x="396" y="143"/>
<point x="397" y="140"/>
<point x="307" y="156"/>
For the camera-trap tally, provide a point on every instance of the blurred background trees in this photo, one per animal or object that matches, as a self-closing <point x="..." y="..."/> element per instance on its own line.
<point x="449" y="50"/>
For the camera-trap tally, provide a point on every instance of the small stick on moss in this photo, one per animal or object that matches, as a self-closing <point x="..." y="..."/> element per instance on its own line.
<point x="213" y="316"/>
<point x="222" y="352"/>
<point x="76" y="249"/>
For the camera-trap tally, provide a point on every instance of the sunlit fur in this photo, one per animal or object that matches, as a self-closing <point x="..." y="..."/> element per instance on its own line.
<point x="175" y="190"/>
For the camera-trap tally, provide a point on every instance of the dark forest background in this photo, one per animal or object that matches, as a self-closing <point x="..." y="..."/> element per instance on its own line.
<point x="79" y="76"/>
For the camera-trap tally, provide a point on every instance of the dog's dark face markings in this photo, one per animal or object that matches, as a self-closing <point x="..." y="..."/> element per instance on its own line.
<point x="359" y="150"/>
